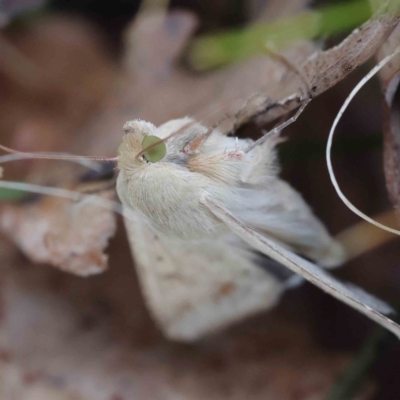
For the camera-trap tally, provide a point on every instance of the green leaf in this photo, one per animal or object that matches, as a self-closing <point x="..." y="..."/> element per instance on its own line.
<point x="212" y="51"/>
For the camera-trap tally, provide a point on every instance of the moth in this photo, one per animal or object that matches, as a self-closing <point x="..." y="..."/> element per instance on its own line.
<point x="213" y="228"/>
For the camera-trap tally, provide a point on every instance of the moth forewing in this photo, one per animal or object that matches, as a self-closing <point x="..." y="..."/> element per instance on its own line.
<point x="355" y="297"/>
<point x="196" y="287"/>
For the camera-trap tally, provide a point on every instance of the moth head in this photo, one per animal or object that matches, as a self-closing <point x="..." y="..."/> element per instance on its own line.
<point x="140" y="145"/>
<point x="172" y="143"/>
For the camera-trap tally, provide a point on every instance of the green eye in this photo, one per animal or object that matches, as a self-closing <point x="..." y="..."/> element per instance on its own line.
<point x="157" y="152"/>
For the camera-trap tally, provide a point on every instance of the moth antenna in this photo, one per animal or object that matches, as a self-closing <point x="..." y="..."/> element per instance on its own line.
<point x="86" y="163"/>
<point x="180" y="130"/>
<point x="345" y="200"/>
<point x="278" y="128"/>
<point x="54" y="156"/>
<point x="69" y="195"/>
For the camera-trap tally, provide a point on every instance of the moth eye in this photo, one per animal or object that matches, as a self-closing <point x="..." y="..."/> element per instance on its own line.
<point x="157" y="152"/>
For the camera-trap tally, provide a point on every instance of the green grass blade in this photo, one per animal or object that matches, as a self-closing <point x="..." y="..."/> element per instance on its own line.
<point x="212" y="51"/>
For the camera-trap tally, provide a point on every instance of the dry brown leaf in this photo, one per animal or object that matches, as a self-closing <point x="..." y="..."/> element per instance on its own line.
<point x="70" y="237"/>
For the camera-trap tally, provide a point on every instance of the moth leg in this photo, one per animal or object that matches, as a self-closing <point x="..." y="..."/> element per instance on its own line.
<point x="278" y="128"/>
<point x="353" y="296"/>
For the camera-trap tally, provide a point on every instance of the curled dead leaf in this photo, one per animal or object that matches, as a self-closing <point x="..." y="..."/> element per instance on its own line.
<point x="70" y="236"/>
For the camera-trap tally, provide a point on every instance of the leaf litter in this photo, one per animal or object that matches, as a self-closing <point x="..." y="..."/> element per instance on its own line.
<point x="70" y="338"/>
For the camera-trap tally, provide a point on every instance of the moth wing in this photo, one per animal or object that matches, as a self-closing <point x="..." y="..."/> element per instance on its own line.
<point x="193" y="288"/>
<point x="280" y="213"/>
<point x="355" y="297"/>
